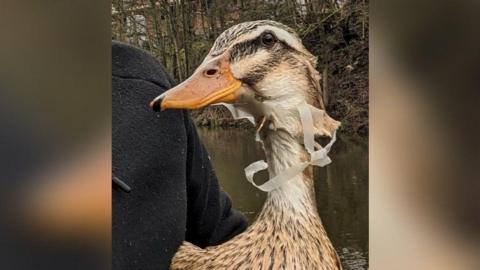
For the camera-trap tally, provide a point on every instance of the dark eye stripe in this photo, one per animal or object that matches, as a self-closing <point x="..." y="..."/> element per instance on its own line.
<point x="251" y="46"/>
<point x="227" y="37"/>
<point x="245" y="48"/>
<point x="259" y="72"/>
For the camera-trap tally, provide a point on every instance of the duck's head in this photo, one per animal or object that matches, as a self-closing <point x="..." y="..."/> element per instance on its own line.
<point x="260" y="65"/>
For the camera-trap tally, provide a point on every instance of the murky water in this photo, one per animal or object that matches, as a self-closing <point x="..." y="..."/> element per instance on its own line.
<point x="341" y="187"/>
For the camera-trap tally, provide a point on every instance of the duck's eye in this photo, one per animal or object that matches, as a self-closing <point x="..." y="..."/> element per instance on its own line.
<point x="268" y="39"/>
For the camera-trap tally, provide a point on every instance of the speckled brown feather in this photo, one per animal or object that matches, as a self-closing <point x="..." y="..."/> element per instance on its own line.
<point x="274" y="241"/>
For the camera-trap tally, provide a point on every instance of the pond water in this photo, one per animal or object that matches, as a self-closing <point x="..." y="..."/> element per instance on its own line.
<point x="341" y="187"/>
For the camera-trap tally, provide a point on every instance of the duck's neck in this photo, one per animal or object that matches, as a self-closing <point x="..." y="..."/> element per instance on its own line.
<point x="297" y="196"/>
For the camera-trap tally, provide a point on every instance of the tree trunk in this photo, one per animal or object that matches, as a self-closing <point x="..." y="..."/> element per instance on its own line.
<point x="186" y="42"/>
<point x="173" y="34"/>
<point x="325" y="85"/>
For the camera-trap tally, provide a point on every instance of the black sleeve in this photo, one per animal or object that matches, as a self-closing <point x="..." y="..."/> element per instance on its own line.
<point x="174" y="193"/>
<point x="210" y="217"/>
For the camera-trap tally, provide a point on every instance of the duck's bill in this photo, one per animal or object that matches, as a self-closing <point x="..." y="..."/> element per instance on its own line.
<point x="200" y="90"/>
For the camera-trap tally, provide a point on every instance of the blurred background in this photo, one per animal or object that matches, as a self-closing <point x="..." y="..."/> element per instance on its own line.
<point x="55" y="134"/>
<point x="424" y="211"/>
<point x="424" y="150"/>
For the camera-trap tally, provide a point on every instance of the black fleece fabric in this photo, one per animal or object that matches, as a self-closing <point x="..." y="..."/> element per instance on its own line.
<point x="174" y="193"/>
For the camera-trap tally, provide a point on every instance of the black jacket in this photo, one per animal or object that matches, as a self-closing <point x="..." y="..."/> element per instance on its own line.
<point x="174" y="193"/>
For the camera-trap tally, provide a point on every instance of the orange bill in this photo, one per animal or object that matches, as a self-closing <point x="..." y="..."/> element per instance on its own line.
<point x="212" y="83"/>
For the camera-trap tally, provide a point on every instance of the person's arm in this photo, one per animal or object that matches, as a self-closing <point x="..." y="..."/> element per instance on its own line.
<point x="211" y="220"/>
<point x="174" y="194"/>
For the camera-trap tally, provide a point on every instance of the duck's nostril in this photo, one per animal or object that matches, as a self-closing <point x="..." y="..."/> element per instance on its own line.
<point x="155" y="105"/>
<point x="211" y="72"/>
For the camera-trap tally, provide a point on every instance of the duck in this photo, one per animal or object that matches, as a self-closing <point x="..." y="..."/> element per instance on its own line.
<point x="263" y="68"/>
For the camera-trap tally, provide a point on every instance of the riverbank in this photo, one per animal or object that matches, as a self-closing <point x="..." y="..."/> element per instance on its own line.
<point x="219" y="117"/>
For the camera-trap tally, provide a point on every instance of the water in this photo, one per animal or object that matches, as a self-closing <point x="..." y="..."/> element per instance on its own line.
<point x="341" y="187"/>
